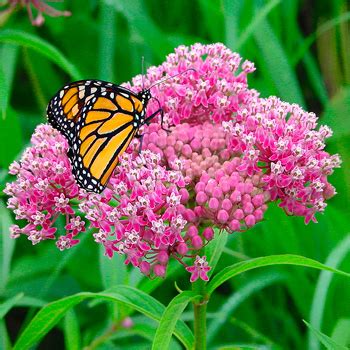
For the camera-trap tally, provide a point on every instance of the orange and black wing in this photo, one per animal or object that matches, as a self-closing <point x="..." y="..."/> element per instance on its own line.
<point x="98" y="120"/>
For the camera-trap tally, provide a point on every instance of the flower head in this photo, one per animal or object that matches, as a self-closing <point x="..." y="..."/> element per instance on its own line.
<point x="229" y="153"/>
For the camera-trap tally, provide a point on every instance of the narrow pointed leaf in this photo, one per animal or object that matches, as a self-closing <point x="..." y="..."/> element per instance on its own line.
<point x="41" y="46"/>
<point x="215" y="248"/>
<point x="329" y="343"/>
<point x="7" y="246"/>
<point x="278" y="65"/>
<point x="253" y="25"/>
<point x="6" y="306"/>
<point x="71" y="331"/>
<point x="169" y="318"/>
<point x="287" y="259"/>
<point x="237" y="298"/>
<point x="52" y="313"/>
<point x="319" y="299"/>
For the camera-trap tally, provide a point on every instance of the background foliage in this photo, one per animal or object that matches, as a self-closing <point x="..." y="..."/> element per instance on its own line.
<point x="301" y="50"/>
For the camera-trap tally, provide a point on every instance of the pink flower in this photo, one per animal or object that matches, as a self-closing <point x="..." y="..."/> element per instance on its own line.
<point x="199" y="269"/>
<point x="40" y="6"/>
<point x="229" y="153"/>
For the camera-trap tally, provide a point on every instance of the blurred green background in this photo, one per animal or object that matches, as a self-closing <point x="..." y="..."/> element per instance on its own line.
<point x="302" y="53"/>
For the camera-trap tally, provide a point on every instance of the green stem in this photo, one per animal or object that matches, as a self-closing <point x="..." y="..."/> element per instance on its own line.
<point x="200" y="316"/>
<point x="102" y="338"/>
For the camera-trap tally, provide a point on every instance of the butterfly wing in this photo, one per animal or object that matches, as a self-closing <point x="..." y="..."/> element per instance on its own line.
<point x="99" y="120"/>
<point x="65" y="108"/>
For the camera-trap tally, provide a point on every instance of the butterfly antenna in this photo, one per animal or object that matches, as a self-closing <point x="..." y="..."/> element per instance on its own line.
<point x="171" y="77"/>
<point x="143" y="71"/>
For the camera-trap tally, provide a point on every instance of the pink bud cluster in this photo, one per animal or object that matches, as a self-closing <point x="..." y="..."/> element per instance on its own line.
<point x="229" y="198"/>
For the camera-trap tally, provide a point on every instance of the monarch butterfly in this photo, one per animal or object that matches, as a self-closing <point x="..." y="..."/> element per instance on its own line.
<point x="99" y="119"/>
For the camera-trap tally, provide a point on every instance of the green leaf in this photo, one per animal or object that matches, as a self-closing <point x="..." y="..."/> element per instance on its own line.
<point x="254" y="334"/>
<point x="50" y="315"/>
<point x="31" y="302"/>
<point x="7" y="246"/>
<point x="113" y="271"/>
<point x="8" y="58"/>
<point x="334" y="259"/>
<point x="139" y="20"/>
<point x="63" y="262"/>
<point x="10" y="137"/>
<point x="253" y="25"/>
<point x="325" y="340"/>
<point x="5" y="343"/>
<point x="71" y="331"/>
<point x="287" y="259"/>
<point x="306" y="44"/>
<point x="232" y="9"/>
<point x="169" y="318"/>
<point x="141" y="326"/>
<point x="244" y="346"/>
<point x="211" y="13"/>
<point x="334" y="114"/>
<point x="215" y="248"/>
<point x="277" y="64"/>
<point x="341" y="331"/>
<point x="6" y="306"/>
<point x="238" y="297"/>
<point x="315" y="77"/>
<point x="43" y="47"/>
<point x="107" y="40"/>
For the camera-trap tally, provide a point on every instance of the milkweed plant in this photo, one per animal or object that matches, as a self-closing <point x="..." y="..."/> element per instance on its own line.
<point x="229" y="153"/>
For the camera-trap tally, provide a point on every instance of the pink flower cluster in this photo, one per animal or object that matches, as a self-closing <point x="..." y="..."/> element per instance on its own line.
<point x="280" y="139"/>
<point x="275" y="141"/>
<point x="139" y="215"/>
<point x="228" y="154"/>
<point x="214" y="88"/>
<point x="145" y="222"/>
<point x="44" y="189"/>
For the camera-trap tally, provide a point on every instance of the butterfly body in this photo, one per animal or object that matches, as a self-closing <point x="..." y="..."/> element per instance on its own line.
<point x="99" y="119"/>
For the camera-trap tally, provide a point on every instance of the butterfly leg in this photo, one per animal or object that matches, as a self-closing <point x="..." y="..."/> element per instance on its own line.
<point x="161" y="112"/>
<point x="148" y="122"/>
<point x="140" y="137"/>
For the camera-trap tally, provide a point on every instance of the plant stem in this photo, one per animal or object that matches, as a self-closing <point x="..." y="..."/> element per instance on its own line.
<point x="102" y="338"/>
<point x="200" y="316"/>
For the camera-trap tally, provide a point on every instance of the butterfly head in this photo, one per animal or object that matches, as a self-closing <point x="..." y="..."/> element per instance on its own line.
<point x="145" y="96"/>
